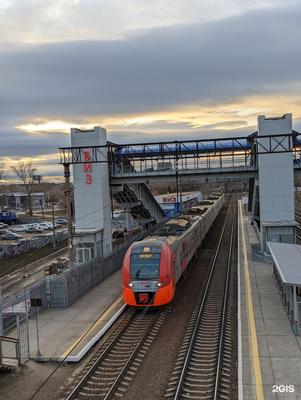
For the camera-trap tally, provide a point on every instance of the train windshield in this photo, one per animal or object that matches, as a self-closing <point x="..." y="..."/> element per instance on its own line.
<point x="145" y="266"/>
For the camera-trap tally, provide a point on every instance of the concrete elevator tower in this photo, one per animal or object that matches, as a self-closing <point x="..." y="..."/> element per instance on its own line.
<point x="93" y="224"/>
<point x="276" y="181"/>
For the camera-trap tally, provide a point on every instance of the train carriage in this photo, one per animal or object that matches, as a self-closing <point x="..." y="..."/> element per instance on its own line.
<point x="153" y="266"/>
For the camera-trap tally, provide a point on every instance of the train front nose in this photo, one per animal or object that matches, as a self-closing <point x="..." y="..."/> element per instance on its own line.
<point x="149" y="293"/>
<point x="148" y="280"/>
<point x="144" y="291"/>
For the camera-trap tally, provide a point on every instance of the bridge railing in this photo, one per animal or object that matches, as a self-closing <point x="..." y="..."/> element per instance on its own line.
<point x="191" y="162"/>
<point x="186" y="155"/>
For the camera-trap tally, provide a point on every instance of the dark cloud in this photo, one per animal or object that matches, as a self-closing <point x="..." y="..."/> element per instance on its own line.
<point x="17" y="144"/>
<point x="252" y="54"/>
<point x="217" y="61"/>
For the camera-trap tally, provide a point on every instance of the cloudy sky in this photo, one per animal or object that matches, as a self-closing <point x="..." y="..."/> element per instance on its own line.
<point x="144" y="70"/>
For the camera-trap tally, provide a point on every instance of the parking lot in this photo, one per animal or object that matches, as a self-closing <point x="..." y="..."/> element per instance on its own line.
<point x="26" y="235"/>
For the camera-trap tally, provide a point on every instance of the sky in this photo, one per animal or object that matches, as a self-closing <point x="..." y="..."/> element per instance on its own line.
<point x="144" y="70"/>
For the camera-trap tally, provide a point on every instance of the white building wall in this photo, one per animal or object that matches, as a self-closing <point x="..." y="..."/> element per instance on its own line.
<point x="91" y="188"/>
<point x="276" y="172"/>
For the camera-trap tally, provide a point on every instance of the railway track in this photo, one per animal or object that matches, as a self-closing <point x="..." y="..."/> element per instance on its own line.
<point x="113" y="367"/>
<point x="203" y="369"/>
<point x="23" y="276"/>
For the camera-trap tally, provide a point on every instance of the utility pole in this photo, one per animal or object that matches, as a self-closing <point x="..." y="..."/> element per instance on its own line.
<point x="69" y="213"/>
<point x="53" y="224"/>
<point x="42" y="208"/>
<point x="39" y="354"/>
<point x="177" y="176"/>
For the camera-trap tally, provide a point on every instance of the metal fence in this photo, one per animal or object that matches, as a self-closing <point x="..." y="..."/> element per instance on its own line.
<point x="9" y="351"/>
<point x="14" y="315"/>
<point x="69" y="286"/>
<point x="53" y="291"/>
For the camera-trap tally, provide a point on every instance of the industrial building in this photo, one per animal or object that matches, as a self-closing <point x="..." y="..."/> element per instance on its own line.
<point x="172" y="204"/>
<point x="19" y="201"/>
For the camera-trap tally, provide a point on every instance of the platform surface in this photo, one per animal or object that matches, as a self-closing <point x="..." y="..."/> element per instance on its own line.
<point x="65" y="332"/>
<point x="279" y="351"/>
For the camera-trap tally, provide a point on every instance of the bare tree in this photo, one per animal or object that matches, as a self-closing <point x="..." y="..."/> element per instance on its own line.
<point x="26" y="172"/>
<point x="51" y="193"/>
<point x="3" y="174"/>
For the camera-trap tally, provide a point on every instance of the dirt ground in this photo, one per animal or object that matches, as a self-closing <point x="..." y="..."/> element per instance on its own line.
<point x="16" y="386"/>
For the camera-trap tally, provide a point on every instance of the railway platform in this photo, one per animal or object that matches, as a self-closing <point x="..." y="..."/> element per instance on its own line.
<point x="269" y="353"/>
<point x="67" y="334"/>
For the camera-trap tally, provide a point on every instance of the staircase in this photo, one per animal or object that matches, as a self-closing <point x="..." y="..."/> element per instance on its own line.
<point x="138" y="199"/>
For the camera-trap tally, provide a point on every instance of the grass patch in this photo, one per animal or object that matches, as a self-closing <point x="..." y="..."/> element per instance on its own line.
<point x="9" y="265"/>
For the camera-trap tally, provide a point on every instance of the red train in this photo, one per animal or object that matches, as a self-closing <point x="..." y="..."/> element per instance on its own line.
<point x="153" y="266"/>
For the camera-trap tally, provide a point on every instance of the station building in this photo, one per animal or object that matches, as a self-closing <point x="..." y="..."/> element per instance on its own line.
<point x="19" y="200"/>
<point x="171" y="205"/>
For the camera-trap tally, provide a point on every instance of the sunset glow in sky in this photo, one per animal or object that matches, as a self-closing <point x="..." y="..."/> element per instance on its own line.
<point x="156" y="70"/>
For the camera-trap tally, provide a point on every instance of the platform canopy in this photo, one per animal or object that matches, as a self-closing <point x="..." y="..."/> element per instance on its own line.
<point x="287" y="259"/>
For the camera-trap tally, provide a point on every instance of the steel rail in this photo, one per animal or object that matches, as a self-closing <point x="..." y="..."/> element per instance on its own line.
<point x="225" y="304"/>
<point x="200" y="312"/>
<point x="127" y="364"/>
<point x="107" y="350"/>
<point x="98" y="360"/>
<point x="116" y="384"/>
<point x="8" y="274"/>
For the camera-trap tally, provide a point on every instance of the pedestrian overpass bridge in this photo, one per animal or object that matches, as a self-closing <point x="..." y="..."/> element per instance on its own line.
<point x="223" y="158"/>
<point x="103" y="170"/>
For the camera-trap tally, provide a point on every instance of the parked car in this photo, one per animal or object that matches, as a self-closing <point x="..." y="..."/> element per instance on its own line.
<point x="34" y="229"/>
<point x="44" y="225"/>
<point x="11" y="236"/>
<point x="4" y="230"/>
<point x="3" y="225"/>
<point x="33" y="225"/>
<point x="20" y="228"/>
<point x="47" y="225"/>
<point x="61" y="221"/>
<point x="50" y="225"/>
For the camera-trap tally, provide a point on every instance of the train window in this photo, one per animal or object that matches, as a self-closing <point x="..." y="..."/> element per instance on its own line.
<point x="144" y="268"/>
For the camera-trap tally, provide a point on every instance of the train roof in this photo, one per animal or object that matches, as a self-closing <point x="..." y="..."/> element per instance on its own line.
<point x="197" y="210"/>
<point x="179" y="222"/>
<point x="147" y="245"/>
<point x="173" y="228"/>
<point x="176" y="227"/>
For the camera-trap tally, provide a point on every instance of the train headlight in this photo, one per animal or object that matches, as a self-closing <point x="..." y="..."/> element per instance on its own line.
<point x="159" y="284"/>
<point x="130" y="284"/>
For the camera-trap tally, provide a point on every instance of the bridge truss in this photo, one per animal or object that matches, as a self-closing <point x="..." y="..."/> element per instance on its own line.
<point x="236" y="155"/>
